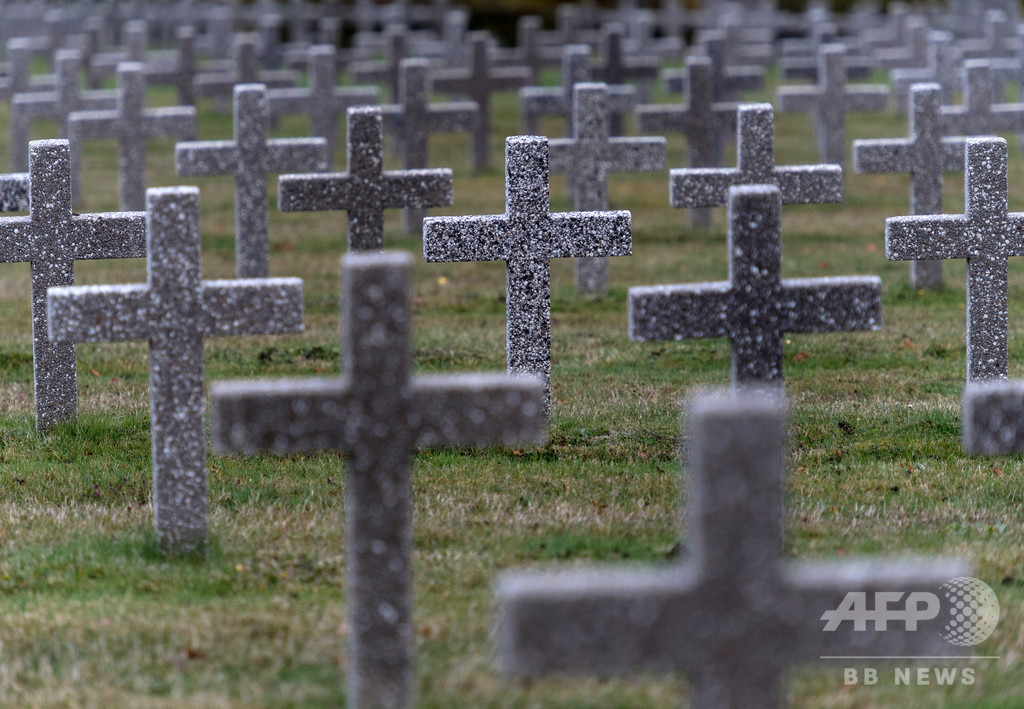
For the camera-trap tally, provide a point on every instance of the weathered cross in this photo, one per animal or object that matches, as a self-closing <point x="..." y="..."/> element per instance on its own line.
<point x="477" y="82"/>
<point x="733" y="614"/>
<point x="941" y="68"/>
<point x="755" y="148"/>
<point x="131" y="124"/>
<point x="324" y="101"/>
<point x="250" y="157"/>
<point x="755" y="307"/>
<point x="413" y="119"/>
<point x="175" y="310"/>
<point x="527" y="236"/>
<point x="980" y="114"/>
<point x="704" y="122"/>
<point x="379" y="413"/>
<point x="618" y="68"/>
<point x="51" y="238"/>
<point x="925" y="155"/>
<point x="830" y="100"/>
<point x="365" y="190"/>
<point x="587" y="158"/>
<point x="986" y="235"/>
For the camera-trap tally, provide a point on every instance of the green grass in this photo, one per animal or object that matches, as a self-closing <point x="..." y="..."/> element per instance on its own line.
<point x="92" y="614"/>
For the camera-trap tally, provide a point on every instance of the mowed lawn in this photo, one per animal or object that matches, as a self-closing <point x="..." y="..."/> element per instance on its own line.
<point x="92" y="615"/>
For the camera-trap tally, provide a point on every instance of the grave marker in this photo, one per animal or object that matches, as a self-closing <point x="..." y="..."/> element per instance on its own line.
<point x="980" y="114"/>
<point x="221" y="85"/>
<point x="755" y="307"/>
<point x="527" y="236"/>
<point x="365" y="190"/>
<point x="175" y="310"/>
<point x="379" y="413"/>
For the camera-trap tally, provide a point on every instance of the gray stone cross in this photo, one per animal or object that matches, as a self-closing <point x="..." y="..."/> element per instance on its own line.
<point x="986" y="235"/>
<point x="131" y="124"/>
<point x="389" y="70"/>
<point x="704" y="122"/>
<point x="755" y="307"/>
<point x="220" y="85"/>
<point x="618" y="67"/>
<point x="324" y="101"/>
<point x="537" y="101"/>
<point x="925" y="155"/>
<point x="980" y="114"/>
<point x="66" y="97"/>
<point x="477" y="82"/>
<point x="527" y="236"/>
<point x="941" y="68"/>
<point x="51" y="238"/>
<point x="379" y="413"/>
<point x="587" y="158"/>
<point x="250" y="157"/>
<point x="727" y="81"/>
<point x="830" y="100"/>
<point x="175" y="310"/>
<point x="413" y="119"/>
<point x="733" y="614"/>
<point x="755" y="147"/>
<point x="365" y="190"/>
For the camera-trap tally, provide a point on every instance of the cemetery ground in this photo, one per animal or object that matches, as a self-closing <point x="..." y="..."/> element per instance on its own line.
<point x="91" y="614"/>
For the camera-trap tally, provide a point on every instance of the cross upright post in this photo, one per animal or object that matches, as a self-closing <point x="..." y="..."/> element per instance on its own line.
<point x="250" y="157"/>
<point x="527" y="236"/>
<point x="587" y="158"/>
<point x="755" y="307"/>
<point x="379" y="413"/>
<point x="131" y="124"/>
<point x="980" y="114"/>
<point x="755" y="149"/>
<point x="365" y="189"/>
<point x="829" y="101"/>
<point x="413" y="119"/>
<point x="925" y="155"/>
<point x="477" y="82"/>
<point x="986" y="235"/>
<point x="733" y="614"/>
<point x="324" y="101"/>
<point x="174" y="310"/>
<point x="51" y="238"/>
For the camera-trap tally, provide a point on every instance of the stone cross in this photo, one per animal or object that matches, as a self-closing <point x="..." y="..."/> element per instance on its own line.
<point x="66" y="97"/>
<point x="135" y="35"/>
<point x="755" y="148"/>
<point x="175" y="310"/>
<point x="181" y="70"/>
<point x="379" y="413"/>
<point x="830" y="100"/>
<point x="704" y="122"/>
<point x="587" y="158"/>
<point x="221" y="85"/>
<point x="535" y="101"/>
<point x="413" y="119"/>
<point x="250" y="157"/>
<point x="618" y="68"/>
<point x="389" y="70"/>
<point x="365" y="190"/>
<point x="477" y="82"/>
<point x="324" y="101"/>
<point x="131" y="124"/>
<point x="755" y="307"/>
<point x="530" y="51"/>
<point x="51" y="238"/>
<point x="993" y="417"/>
<point x="925" y="155"/>
<point x="941" y="68"/>
<point x="728" y="81"/>
<point x="527" y="236"/>
<point x="986" y="235"/>
<point x="733" y="614"/>
<point x="980" y="114"/>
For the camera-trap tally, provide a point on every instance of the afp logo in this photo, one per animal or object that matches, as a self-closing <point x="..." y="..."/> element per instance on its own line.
<point x="969" y="610"/>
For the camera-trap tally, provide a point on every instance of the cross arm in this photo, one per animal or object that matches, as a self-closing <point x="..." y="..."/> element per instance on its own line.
<point x="477" y="409"/>
<point x="536" y="101"/>
<point x="417" y="188"/>
<point x="33" y="105"/>
<point x="207" y="157"/>
<point x="17" y="236"/>
<point x="654" y="118"/>
<point x="393" y="117"/>
<point x="213" y="84"/>
<point x="285" y="154"/>
<point x="1006" y="118"/>
<point x="14" y="192"/>
<point x="951" y="153"/>
<point x="591" y="234"/>
<point x="679" y="312"/>
<point x="867" y="98"/>
<point x="993" y="417"/>
<point x="942" y="236"/>
<point x="744" y="78"/>
<point x="452" y="117"/>
<point x="884" y="155"/>
<point x="277" y="78"/>
<point x="110" y="235"/>
<point x="797" y="99"/>
<point x="282" y="415"/>
<point x="509" y="78"/>
<point x="90" y="125"/>
<point x="562" y="155"/>
<point x="177" y="121"/>
<point x="450" y="81"/>
<point x="831" y="304"/>
<point x="636" y="154"/>
<point x="285" y="102"/>
<point x="98" y="313"/>
<point x="465" y="238"/>
<point x="312" y="192"/>
<point x="809" y="184"/>
<point x="701" y="186"/>
<point x="252" y="306"/>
